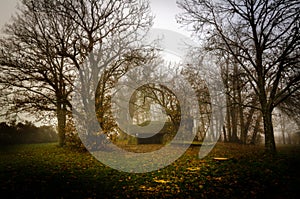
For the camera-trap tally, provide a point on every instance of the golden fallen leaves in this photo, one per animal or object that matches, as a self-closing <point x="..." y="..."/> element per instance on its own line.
<point x="193" y="168"/>
<point x="147" y="188"/>
<point x="161" y="181"/>
<point x="221" y="159"/>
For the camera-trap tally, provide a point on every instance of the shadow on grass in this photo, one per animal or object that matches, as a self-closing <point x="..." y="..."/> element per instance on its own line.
<point x="47" y="171"/>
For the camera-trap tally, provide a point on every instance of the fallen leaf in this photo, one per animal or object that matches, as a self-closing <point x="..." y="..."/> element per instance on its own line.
<point x="193" y="168"/>
<point x="161" y="181"/>
<point x="221" y="159"/>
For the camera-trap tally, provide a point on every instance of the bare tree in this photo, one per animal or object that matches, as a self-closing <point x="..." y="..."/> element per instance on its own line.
<point x="35" y="77"/>
<point x="48" y="42"/>
<point x="291" y="107"/>
<point x="262" y="37"/>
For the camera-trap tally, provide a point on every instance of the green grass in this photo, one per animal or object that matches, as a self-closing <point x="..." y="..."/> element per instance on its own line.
<point x="47" y="171"/>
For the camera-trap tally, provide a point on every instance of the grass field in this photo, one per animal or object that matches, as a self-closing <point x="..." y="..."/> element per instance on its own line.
<point x="47" y="171"/>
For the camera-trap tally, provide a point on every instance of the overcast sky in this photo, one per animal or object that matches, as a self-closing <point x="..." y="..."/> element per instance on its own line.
<point x="7" y="8"/>
<point x="164" y="11"/>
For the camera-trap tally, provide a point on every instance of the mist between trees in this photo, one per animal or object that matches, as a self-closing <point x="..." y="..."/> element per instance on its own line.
<point x="255" y="45"/>
<point x="26" y="133"/>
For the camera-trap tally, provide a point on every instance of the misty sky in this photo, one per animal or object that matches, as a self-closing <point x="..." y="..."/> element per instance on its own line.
<point x="7" y="8"/>
<point x="164" y="10"/>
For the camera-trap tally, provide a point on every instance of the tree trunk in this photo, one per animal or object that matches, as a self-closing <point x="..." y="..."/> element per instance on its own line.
<point x="234" y="137"/>
<point x="283" y="137"/>
<point x="289" y="139"/>
<point x="228" y="118"/>
<point x="224" y="133"/>
<point x="249" y="121"/>
<point x="234" y="107"/>
<point x="211" y="128"/>
<point x="282" y="126"/>
<point x="270" y="147"/>
<point x="61" y="121"/>
<point x="241" y="117"/>
<point x="228" y="102"/>
<point x="255" y="131"/>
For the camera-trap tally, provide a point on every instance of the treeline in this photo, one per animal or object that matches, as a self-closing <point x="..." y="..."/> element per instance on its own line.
<point x="26" y="133"/>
